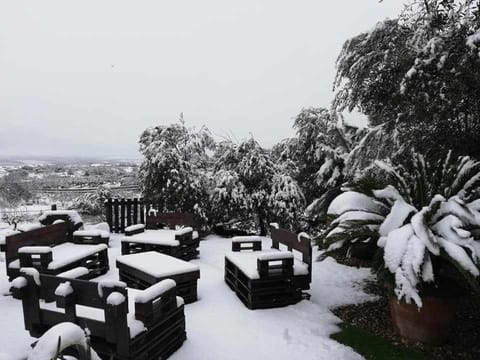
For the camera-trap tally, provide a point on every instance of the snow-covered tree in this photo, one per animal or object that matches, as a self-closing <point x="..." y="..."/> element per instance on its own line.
<point x="424" y="218"/>
<point x="92" y="203"/>
<point x="316" y="156"/>
<point x="174" y="172"/>
<point x="255" y="169"/>
<point x="229" y="198"/>
<point x="420" y="74"/>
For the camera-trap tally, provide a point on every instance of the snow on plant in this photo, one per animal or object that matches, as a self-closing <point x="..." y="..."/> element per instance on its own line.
<point x="415" y="215"/>
<point x="174" y="170"/>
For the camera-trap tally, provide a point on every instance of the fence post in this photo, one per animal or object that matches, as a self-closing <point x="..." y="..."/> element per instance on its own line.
<point x="108" y="213"/>
<point x="115" y="212"/>
<point x="142" y="211"/>
<point x="135" y="211"/>
<point x="129" y="212"/>
<point x="122" y="215"/>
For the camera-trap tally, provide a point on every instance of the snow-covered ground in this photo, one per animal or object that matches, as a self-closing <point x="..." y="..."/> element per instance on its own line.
<point x="219" y="326"/>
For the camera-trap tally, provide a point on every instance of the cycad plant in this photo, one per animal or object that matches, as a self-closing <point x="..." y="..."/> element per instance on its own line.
<point x="423" y="218"/>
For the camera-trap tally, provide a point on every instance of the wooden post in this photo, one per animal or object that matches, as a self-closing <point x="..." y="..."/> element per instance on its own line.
<point x="115" y="213"/>
<point x="122" y="215"/>
<point x="142" y="211"/>
<point x="135" y="211"/>
<point x="129" y="212"/>
<point x="108" y="213"/>
<point x="54" y="207"/>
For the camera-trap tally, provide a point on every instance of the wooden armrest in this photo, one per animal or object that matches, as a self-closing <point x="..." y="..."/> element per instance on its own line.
<point x="35" y="256"/>
<point x="156" y="301"/>
<point x="134" y="229"/>
<point x="275" y="265"/>
<point x="246" y="244"/>
<point x="80" y="238"/>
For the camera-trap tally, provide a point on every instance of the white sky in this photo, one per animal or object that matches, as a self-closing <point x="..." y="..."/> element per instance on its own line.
<point x="86" y="77"/>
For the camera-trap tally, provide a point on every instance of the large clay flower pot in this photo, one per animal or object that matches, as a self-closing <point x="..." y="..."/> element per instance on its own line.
<point x="429" y="325"/>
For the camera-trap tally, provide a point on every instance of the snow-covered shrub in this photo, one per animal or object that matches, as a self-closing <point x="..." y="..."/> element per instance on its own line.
<point x="257" y="183"/>
<point x="174" y="172"/>
<point x="424" y="218"/>
<point x="229" y="198"/>
<point x="315" y="158"/>
<point x="92" y="203"/>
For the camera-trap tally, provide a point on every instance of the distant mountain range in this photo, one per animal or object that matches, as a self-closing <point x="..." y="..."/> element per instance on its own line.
<point x="59" y="160"/>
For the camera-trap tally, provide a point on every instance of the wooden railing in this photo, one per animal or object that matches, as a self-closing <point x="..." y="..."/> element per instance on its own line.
<point x="121" y="213"/>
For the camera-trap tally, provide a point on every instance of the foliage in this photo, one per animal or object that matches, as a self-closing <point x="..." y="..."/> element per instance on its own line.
<point x="316" y="157"/>
<point x="262" y="189"/>
<point x="418" y="74"/>
<point x="13" y="191"/>
<point x="92" y="203"/>
<point x="174" y="170"/>
<point x="423" y="216"/>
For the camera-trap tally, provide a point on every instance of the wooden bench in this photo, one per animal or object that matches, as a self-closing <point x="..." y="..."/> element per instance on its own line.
<point x="181" y="243"/>
<point x="93" y="237"/>
<point x="140" y="325"/>
<point x="49" y="250"/>
<point x="142" y="270"/>
<point x="272" y="277"/>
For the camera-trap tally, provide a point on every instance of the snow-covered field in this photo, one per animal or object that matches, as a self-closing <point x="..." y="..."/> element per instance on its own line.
<point x="219" y="326"/>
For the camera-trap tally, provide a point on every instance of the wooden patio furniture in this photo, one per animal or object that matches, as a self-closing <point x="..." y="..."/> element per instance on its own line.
<point x="124" y="325"/>
<point x="144" y="269"/>
<point x="50" y="251"/>
<point x="270" y="277"/>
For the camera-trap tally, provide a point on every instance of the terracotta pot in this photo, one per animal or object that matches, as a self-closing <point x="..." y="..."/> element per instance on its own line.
<point x="429" y="325"/>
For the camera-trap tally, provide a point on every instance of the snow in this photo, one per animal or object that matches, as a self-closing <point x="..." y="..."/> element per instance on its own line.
<point x="157" y="264"/>
<point x="32" y="272"/>
<point x="351" y="201"/>
<point x="195" y="235"/>
<point x="68" y="333"/>
<point x="356" y="215"/>
<point x="74" y="273"/>
<point x="459" y="255"/>
<point x="35" y="249"/>
<point x="396" y="217"/>
<point x="276" y="255"/>
<point x="219" y="323"/>
<point x="473" y="40"/>
<point x="64" y="289"/>
<point x="183" y="231"/>
<point x="155" y="291"/>
<point x="115" y="298"/>
<point x="396" y="246"/>
<point x="135" y="227"/>
<point x="67" y="253"/>
<point x="28" y="227"/>
<point x="7" y="232"/>
<point x="159" y="237"/>
<point x="72" y="214"/>
<point x="240" y="239"/>
<point x="19" y="282"/>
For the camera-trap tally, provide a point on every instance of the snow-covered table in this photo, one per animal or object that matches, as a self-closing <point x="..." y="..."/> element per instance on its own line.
<point x="272" y="277"/>
<point x="144" y="269"/>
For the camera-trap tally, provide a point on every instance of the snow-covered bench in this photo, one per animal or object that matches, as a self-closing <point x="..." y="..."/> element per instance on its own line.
<point x="49" y="250"/>
<point x="270" y="277"/>
<point x="161" y="234"/>
<point x="133" y="324"/>
<point x="147" y="268"/>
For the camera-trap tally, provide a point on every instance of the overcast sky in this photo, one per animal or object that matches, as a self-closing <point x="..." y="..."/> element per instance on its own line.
<point x="86" y="77"/>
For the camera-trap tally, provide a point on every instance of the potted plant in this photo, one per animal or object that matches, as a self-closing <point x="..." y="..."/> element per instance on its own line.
<point x="423" y="224"/>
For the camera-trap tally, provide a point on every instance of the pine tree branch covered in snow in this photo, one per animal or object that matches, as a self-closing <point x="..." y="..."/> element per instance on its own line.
<point x="425" y="219"/>
<point x="418" y="74"/>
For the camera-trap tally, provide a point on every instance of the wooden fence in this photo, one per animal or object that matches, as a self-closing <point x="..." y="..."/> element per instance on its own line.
<point x="121" y="213"/>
